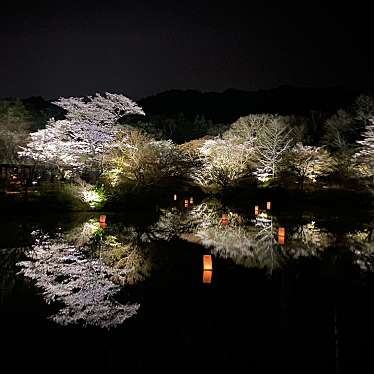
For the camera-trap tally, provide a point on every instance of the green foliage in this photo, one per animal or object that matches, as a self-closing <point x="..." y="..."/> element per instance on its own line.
<point x="99" y="195"/>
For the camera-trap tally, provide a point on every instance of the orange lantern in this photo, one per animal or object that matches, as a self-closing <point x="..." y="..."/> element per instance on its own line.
<point x="256" y="210"/>
<point x="191" y="200"/>
<point x="102" y="218"/>
<point x="175" y="197"/>
<point x="207" y="262"/>
<point x="268" y="205"/>
<point x="186" y="203"/>
<point x="281" y="235"/>
<point x="207" y="276"/>
<point x="224" y="219"/>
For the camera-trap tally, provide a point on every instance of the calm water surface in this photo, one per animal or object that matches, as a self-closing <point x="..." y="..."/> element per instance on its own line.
<point x="192" y="286"/>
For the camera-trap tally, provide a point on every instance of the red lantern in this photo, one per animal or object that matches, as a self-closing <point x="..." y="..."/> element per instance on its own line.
<point x="224" y="219"/>
<point x="281" y="235"/>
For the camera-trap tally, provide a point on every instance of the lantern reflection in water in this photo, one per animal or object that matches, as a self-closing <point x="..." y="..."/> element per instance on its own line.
<point x="281" y="235"/>
<point x="207" y="269"/>
<point x="102" y="221"/>
<point x="207" y="276"/>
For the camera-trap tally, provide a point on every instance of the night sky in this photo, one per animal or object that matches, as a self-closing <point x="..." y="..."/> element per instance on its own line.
<point x="53" y="49"/>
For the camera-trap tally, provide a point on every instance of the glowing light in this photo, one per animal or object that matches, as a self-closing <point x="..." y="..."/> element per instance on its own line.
<point x="207" y="262"/>
<point x="268" y="205"/>
<point x="191" y="200"/>
<point x="186" y="203"/>
<point x="281" y="235"/>
<point x="102" y="221"/>
<point x="175" y="197"/>
<point x="224" y="219"/>
<point x="207" y="269"/>
<point x="93" y="198"/>
<point x="256" y="210"/>
<point x="207" y="276"/>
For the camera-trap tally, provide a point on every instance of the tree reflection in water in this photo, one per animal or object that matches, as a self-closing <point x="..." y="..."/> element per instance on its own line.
<point x="83" y="285"/>
<point x="253" y="242"/>
<point x="361" y="245"/>
<point x="85" y="268"/>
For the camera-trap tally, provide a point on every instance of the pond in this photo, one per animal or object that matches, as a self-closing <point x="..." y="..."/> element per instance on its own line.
<point x="193" y="284"/>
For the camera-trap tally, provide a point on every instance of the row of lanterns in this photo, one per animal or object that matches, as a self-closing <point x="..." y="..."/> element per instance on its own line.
<point x="257" y="208"/>
<point x="187" y="201"/>
<point x="281" y="230"/>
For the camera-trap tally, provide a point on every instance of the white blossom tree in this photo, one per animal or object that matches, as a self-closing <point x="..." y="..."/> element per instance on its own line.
<point x="137" y="158"/>
<point x="223" y="163"/>
<point x="78" y="143"/>
<point x="365" y="154"/>
<point x="106" y="109"/>
<point x="271" y="143"/>
<point x="246" y="129"/>
<point x="308" y="163"/>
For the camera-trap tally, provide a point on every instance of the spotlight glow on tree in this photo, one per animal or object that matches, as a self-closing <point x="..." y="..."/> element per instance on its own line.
<point x="308" y="162"/>
<point x="365" y="155"/>
<point x="271" y="143"/>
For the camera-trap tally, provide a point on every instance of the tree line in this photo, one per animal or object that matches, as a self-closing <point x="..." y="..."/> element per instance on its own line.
<point x="108" y="140"/>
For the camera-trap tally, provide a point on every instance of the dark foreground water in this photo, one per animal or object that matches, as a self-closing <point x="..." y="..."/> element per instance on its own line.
<point x="290" y="289"/>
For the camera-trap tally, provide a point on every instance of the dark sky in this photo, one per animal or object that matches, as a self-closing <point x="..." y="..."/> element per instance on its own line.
<point x="64" y="48"/>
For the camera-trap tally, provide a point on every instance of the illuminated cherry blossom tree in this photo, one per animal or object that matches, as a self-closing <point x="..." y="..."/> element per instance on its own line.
<point x="138" y="158"/>
<point x="78" y="143"/>
<point x="271" y="143"/>
<point x="223" y="163"/>
<point x="308" y="163"/>
<point x="365" y="155"/>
